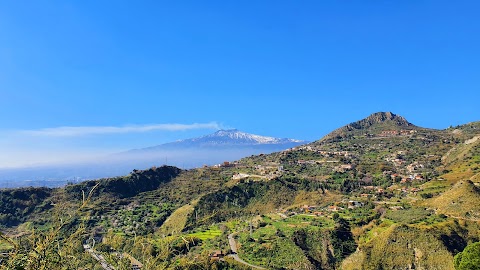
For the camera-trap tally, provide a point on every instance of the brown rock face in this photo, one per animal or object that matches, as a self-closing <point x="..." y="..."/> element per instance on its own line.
<point x="378" y="118"/>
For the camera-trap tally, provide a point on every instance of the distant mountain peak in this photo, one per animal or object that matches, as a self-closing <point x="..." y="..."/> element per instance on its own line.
<point x="225" y="132"/>
<point x="235" y="136"/>
<point x="229" y="138"/>
<point x="221" y="131"/>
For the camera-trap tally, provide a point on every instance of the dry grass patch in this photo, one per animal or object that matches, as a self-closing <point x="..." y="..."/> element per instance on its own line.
<point x="177" y="220"/>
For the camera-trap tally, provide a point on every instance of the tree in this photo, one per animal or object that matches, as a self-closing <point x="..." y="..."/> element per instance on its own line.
<point x="469" y="258"/>
<point x="342" y="239"/>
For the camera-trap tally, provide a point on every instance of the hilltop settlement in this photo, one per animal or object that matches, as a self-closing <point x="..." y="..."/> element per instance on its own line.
<point x="379" y="193"/>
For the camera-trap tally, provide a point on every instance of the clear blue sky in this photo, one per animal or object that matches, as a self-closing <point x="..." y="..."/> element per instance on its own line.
<point x="281" y="68"/>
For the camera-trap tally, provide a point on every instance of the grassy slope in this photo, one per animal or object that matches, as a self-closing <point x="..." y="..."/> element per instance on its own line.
<point x="217" y="198"/>
<point x="177" y="220"/>
<point x="401" y="247"/>
<point x="463" y="162"/>
<point x="461" y="201"/>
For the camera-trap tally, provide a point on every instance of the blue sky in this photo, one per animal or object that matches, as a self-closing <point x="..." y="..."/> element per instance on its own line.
<point x="278" y="68"/>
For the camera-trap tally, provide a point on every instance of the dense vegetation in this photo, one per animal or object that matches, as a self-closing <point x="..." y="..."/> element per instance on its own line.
<point x="379" y="193"/>
<point x="17" y="205"/>
<point x="469" y="258"/>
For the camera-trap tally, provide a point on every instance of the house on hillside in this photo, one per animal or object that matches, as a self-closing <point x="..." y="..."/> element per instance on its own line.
<point x="406" y="180"/>
<point x="227" y="164"/>
<point x="334" y="208"/>
<point x="239" y="176"/>
<point x="135" y="264"/>
<point x="394" y="176"/>
<point x="419" y="177"/>
<point x="307" y="208"/>
<point x="216" y="255"/>
<point x="345" y="167"/>
<point x="388" y="133"/>
<point x="354" y="204"/>
<point x="415" y="166"/>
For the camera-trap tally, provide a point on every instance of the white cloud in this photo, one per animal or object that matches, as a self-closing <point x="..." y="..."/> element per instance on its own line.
<point x="99" y="130"/>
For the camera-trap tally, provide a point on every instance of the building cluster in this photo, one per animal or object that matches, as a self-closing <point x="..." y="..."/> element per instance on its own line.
<point x="392" y="133"/>
<point x="323" y="211"/>
<point x="345" y="167"/>
<point x="408" y="178"/>
<point x="320" y="151"/>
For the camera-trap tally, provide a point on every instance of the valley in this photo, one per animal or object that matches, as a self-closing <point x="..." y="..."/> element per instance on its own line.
<point x="379" y="193"/>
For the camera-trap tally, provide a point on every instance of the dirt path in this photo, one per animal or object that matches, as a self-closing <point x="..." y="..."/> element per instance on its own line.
<point x="233" y="247"/>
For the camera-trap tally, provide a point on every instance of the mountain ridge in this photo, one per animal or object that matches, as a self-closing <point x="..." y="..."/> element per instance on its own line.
<point x="220" y="146"/>
<point x="374" y="123"/>
<point x="226" y="138"/>
<point x="376" y="199"/>
<point x="381" y="117"/>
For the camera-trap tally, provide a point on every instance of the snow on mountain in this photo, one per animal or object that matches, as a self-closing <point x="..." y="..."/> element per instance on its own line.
<point x="235" y="136"/>
<point x="229" y="138"/>
<point x="210" y="149"/>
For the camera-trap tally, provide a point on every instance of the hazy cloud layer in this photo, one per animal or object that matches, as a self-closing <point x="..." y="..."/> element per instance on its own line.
<point x="99" y="130"/>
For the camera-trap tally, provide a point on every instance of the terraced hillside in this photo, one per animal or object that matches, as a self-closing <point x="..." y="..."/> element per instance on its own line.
<point x="461" y="201"/>
<point x="379" y="193"/>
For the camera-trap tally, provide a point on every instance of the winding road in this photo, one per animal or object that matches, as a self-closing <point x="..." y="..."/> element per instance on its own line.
<point x="98" y="257"/>
<point x="231" y="242"/>
<point x="233" y="247"/>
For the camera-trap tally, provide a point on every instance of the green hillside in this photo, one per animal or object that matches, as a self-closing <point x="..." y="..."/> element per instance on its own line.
<point x="461" y="201"/>
<point x="463" y="161"/>
<point x="379" y="193"/>
<point x="403" y="247"/>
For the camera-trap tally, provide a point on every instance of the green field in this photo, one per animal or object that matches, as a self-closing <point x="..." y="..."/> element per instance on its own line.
<point x="210" y="233"/>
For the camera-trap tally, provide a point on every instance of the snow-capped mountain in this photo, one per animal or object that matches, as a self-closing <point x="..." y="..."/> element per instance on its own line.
<point x="231" y="138"/>
<point x="223" y="145"/>
<point x="234" y="136"/>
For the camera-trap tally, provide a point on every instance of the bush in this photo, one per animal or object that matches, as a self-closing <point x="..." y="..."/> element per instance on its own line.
<point x="426" y="195"/>
<point x="469" y="258"/>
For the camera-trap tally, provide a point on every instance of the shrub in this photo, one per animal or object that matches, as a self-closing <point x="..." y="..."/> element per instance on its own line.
<point x="469" y="258"/>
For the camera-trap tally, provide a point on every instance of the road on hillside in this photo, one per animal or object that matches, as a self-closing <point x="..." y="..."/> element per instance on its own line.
<point x="233" y="247"/>
<point x="98" y="257"/>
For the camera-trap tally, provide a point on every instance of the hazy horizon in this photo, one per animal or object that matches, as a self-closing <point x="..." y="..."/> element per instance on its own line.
<point x="84" y="79"/>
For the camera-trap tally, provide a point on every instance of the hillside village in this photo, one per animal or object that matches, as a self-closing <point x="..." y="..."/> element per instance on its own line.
<point x="323" y="205"/>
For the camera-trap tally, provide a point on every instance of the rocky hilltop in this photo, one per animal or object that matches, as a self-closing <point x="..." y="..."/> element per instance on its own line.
<point x="379" y="193"/>
<point x="380" y="118"/>
<point x="374" y="124"/>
